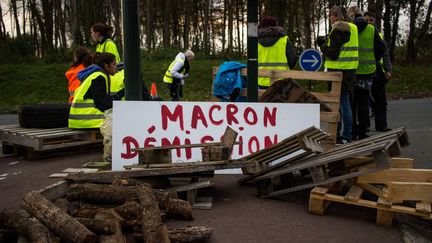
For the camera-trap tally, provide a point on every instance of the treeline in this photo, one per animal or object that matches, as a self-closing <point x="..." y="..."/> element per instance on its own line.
<point x="47" y="28"/>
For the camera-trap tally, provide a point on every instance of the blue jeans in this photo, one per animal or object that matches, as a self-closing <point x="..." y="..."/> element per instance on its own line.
<point x="346" y="121"/>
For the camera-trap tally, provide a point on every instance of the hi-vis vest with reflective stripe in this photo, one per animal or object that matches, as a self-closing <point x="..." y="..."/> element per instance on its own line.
<point x="168" y="78"/>
<point x="117" y="82"/>
<point x="273" y="58"/>
<point x="83" y="113"/>
<point x="348" y="56"/>
<point x="367" y="62"/>
<point x="110" y="47"/>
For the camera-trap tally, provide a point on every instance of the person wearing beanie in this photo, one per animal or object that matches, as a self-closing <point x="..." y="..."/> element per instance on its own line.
<point x="177" y="72"/>
<point x="371" y="49"/>
<point x="275" y="51"/>
<point x="340" y="51"/>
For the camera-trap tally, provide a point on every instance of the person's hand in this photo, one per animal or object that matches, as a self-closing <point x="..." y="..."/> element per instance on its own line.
<point x="388" y="75"/>
<point x="186" y="76"/>
<point x="321" y="40"/>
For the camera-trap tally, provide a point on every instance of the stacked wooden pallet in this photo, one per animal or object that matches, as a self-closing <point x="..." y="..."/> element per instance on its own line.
<point x="332" y="165"/>
<point x="37" y="140"/>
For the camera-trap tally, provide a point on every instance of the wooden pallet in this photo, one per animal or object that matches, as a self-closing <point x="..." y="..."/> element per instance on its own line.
<point x="306" y="142"/>
<point x="35" y="140"/>
<point x="330" y="166"/>
<point x="321" y="196"/>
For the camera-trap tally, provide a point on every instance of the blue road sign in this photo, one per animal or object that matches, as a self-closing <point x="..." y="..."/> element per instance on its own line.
<point x="310" y="60"/>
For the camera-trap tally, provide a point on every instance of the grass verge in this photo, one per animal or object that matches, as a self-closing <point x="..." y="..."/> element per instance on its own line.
<point x="46" y="83"/>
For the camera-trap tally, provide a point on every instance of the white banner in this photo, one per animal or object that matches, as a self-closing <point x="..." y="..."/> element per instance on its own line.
<point x="138" y="124"/>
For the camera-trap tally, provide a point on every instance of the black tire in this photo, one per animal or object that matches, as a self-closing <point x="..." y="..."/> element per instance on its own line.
<point x="44" y="115"/>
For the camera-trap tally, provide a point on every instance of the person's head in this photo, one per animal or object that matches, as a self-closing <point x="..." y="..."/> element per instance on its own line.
<point x="268" y="21"/>
<point x="354" y="12"/>
<point x="369" y="17"/>
<point x="81" y="55"/>
<point x="337" y="14"/>
<point x="189" y="55"/>
<point x="99" y="31"/>
<point x="106" y="61"/>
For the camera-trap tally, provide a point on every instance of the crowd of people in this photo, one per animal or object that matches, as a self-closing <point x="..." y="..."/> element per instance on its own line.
<point x="354" y="47"/>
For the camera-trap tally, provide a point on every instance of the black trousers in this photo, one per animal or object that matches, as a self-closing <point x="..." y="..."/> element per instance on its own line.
<point x="380" y="105"/>
<point x="175" y="89"/>
<point x="360" y="112"/>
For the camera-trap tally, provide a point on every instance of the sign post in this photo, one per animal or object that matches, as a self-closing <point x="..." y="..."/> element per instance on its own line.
<point x="310" y="60"/>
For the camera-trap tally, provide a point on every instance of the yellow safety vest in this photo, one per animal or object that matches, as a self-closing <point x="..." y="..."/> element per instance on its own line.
<point x="168" y="78"/>
<point x="367" y="62"/>
<point x="110" y="47"/>
<point x="117" y="82"/>
<point x="83" y="113"/>
<point x="272" y="58"/>
<point x="348" y="56"/>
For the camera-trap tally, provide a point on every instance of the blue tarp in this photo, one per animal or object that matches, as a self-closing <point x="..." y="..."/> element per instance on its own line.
<point x="227" y="79"/>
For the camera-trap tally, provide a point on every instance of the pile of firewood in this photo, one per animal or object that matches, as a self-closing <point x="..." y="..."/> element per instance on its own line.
<point x="104" y="213"/>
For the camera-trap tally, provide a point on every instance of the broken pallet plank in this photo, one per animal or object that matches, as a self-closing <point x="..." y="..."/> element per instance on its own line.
<point x="397" y="175"/>
<point x="109" y="176"/>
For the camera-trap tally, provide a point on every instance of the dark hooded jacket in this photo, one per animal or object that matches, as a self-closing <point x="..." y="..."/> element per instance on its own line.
<point x="380" y="46"/>
<point x="340" y="34"/>
<point x="98" y="87"/>
<point x="270" y="35"/>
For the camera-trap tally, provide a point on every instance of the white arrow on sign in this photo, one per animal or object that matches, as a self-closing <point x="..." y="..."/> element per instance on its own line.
<point x="314" y="61"/>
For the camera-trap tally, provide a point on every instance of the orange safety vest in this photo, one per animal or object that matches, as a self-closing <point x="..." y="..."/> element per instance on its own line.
<point x="74" y="82"/>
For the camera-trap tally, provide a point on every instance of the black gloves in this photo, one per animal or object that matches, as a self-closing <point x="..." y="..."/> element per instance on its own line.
<point x="321" y="40"/>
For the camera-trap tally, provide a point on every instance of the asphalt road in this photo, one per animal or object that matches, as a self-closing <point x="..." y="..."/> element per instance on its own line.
<point x="237" y="214"/>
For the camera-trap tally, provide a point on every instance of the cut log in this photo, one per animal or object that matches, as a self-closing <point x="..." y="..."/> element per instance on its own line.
<point x="190" y="234"/>
<point x="109" y="194"/>
<point x="152" y="227"/>
<point x="65" y="205"/>
<point x="56" y="220"/>
<point x="117" y="221"/>
<point x="99" y="226"/>
<point x="26" y="226"/>
<point x="101" y="194"/>
<point x="131" y="212"/>
<point x="178" y="208"/>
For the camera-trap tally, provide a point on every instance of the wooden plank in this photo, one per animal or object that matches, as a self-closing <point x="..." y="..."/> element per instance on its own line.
<point x="195" y="145"/>
<point x="375" y="190"/>
<point x="181" y="165"/>
<point x="109" y="176"/>
<point x="58" y="175"/>
<point x="329" y="116"/>
<point x="354" y="193"/>
<point x="397" y="175"/>
<point x="97" y="164"/>
<point x="384" y="218"/>
<point x="402" y="163"/>
<point x="191" y="186"/>
<point x="56" y="190"/>
<point x="320" y="190"/>
<point x="326" y="97"/>
<point x="79" y="170"/>
<point x="202" y="202"/>
<point x="324" y="76"/>
<point x="301" y="75"/>
<point x="423" y="207"/>
<point x="413" y="191"/>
